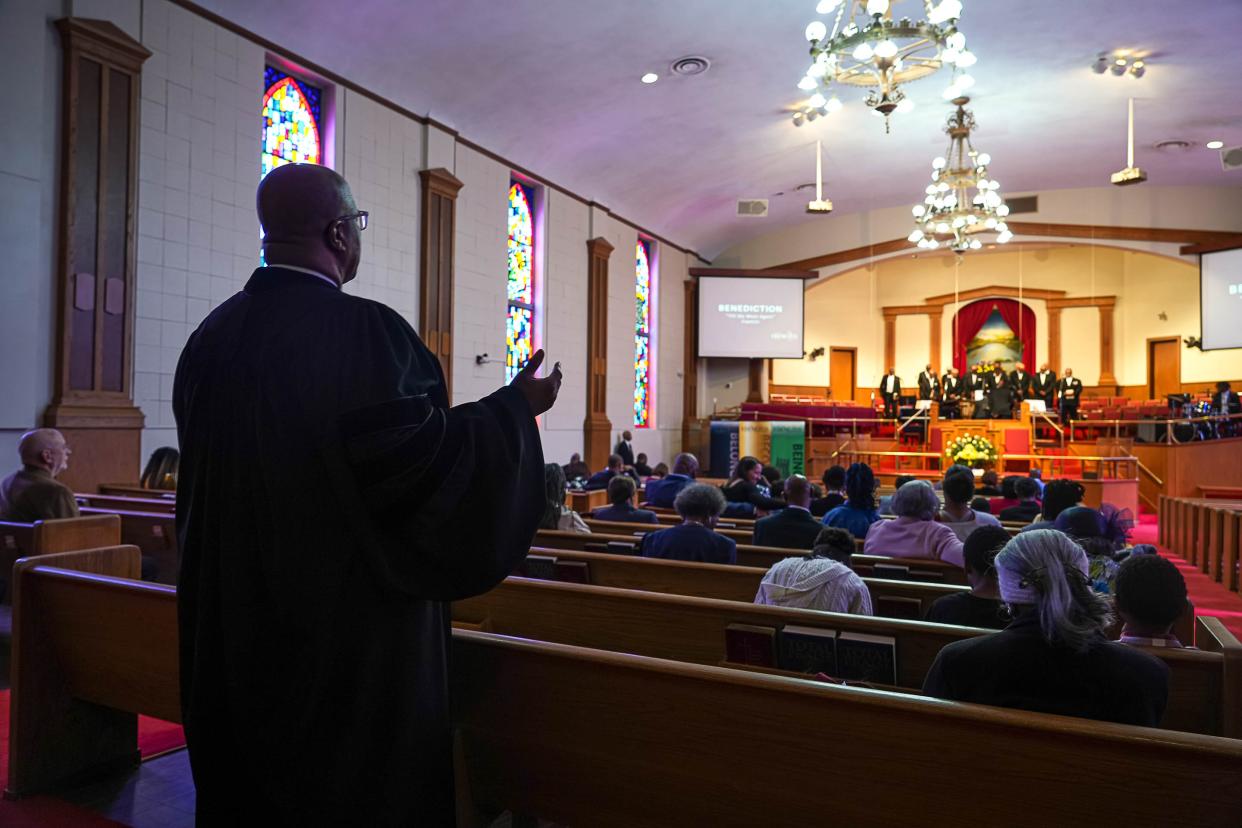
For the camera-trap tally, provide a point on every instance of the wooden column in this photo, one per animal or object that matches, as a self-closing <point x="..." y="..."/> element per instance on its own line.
<point x="934" y="321"/>
<point x="437" y="231"/>
<point x="754" y="392"/>
<point x="694" y="430"/>
<point x="1107" y="363"/>
<point x="93" y="394"/>
<point x="1054" y="339"/>
<point x="597" y="429"/>
<point x="890" y="341"/>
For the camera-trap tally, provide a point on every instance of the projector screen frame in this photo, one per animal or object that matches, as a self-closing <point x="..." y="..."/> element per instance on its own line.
<point x="698" y="333"/>
<point x="696" y="273"/>
<point x="1209" y="252"/>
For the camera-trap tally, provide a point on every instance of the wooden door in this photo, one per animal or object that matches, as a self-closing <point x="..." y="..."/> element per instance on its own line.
<point x="841" y="373"/>
<point x="1164" y="368"/>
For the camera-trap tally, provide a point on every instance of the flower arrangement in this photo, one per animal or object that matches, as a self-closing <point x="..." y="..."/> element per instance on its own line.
<point x="973" y="450"/>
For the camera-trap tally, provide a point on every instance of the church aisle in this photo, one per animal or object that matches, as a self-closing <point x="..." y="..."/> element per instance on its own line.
<point x="1209" y="597"/>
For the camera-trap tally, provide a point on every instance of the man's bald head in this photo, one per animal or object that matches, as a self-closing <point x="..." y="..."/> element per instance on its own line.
<point x="299" y="207"/>
<point x="44" y="448"/>
<point x="686" y="464"/>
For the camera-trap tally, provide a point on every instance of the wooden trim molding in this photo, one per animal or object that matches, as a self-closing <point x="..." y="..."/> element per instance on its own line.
<point x="739" y="273"/>
<point x="1054" y="339"/>
<point x="437" y="232"/>
<point x="994" y="291"/>
<point x="95" y="280"/>
<point x="935" y="320"/>
<point x="754" y="390"/>
<point x="1107" y="363"/>
<point x="890" y="341"/>
<point x="597" y="428"/>
<point x="1196" y="239"/>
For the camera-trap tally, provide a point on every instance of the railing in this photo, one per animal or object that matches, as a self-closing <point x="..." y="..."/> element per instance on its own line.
<point x="1208" y="427"/>
<point x="1106" y="467"/>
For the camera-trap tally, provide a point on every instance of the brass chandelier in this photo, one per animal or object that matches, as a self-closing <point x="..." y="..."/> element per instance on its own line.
<point x="868" y="47"/>
<point x="962" y="201"/>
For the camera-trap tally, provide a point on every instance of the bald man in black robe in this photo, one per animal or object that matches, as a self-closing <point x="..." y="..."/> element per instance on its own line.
<point x="330" y="504"/>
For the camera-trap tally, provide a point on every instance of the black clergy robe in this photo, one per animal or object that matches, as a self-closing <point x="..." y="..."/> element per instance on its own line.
<point x="329" y="505"/>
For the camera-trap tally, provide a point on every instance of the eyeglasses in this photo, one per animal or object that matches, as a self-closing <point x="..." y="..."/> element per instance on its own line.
<point x="360" y="217"/>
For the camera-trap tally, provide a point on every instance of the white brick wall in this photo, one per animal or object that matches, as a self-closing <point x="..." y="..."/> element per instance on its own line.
<point x="198" y="235"/>
<point x="383" y="155"/>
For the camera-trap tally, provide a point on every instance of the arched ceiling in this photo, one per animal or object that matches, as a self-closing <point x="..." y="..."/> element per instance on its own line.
<point x="553" y="86"/>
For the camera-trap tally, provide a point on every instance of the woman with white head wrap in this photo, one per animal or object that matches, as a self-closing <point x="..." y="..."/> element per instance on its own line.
<point x="1053" y="657"/>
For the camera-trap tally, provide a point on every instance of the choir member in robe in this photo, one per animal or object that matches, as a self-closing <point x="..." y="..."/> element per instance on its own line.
<point x="330" y="504"/>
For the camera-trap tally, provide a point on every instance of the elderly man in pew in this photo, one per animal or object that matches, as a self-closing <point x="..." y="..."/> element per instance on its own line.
<point x="824" y="581"/>
<point x="328" y="508"/>
<point x="792" y="527"/>
<point x="621" y="491"/>
<point x="1054" y="656"/>
<point x="700" y="507"/>
<point x="32" y="492"/>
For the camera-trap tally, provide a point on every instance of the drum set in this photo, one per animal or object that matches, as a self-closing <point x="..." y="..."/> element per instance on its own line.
<point x="1201" y="421"/>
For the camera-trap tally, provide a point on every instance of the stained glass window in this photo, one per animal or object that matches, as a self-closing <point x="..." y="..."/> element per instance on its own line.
<point x="291" y="121"/>
<point x="642" y="334"/>
<point x="519" y="328"/>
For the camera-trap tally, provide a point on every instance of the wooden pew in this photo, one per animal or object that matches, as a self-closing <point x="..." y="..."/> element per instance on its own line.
<point x="23" y="540"/>
<point x="127" y="503"/>
<point x="595" y="738"/>
<point x="890" y="598"/>
<point x="155" y="533"/>
<point x="135" y="490"/>
<point x="693" y="629"/>
<point x="613" y="527"/>
<point x="762" y="556"/>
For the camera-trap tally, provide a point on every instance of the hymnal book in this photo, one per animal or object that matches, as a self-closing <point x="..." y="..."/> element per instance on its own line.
<point x="896" y="606"/>
<point x="573" y="572"/>
<point x="622" y="548"/>
<point x="863" y="657"/>
<point x="808" y="650"/>
<point x="540" y="566"/>
<point x="893" y="572"/>
<point x="750" y="644"/>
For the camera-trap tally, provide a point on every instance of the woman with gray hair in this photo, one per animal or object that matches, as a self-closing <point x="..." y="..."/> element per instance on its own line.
<point x="1054" y="656"/>
<point x="914" y="533"/>
<point x="700" y="506"/>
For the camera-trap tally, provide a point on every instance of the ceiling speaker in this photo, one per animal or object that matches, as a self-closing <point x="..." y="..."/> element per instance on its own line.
<point x="1231" y="158"/>
<point x="752" y="207"/>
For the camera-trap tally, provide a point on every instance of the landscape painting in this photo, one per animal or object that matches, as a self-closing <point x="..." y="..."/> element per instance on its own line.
<point x="995" y="342"/>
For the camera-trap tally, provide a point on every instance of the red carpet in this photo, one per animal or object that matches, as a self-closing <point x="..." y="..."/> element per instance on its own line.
<point x="1209" y="597"/>
<point x="154" y="737"/>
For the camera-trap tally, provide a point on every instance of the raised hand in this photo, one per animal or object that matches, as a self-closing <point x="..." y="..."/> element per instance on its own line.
<point x="540" y="392"/>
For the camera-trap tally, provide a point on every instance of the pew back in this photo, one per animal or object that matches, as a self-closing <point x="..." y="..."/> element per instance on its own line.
<point x="582" y="737"/>
<point x="613" y="527"/>
<point x="127" y="503"/>
<point x="155" y="533"/>
<point x="21" y="540"/>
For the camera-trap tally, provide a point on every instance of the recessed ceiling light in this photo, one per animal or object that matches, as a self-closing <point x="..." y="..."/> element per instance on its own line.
<point x="650" y="77"/>
<point x="1215" y="144"/>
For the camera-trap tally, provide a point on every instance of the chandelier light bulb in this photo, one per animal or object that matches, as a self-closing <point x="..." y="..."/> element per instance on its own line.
<point x="863" y="51"/>
<point x="941" y="227"/>
<point x="850" y="30"/>
<point x="950" y="55"/>
<point x="942" y="187"/>
<point x="984" y="159"/>
<point x="885" y="49"/>
<point x="834" y="104"/>
<point x="915" y="236"/>
<point x="1004" y="237"/>
<point x="931" y="189"/>
<point x="975" y="244"/>
<point x="826" y="6"/>
<point x="1002" y="210"/>
<point x="965" y="59"/>
<point x="950" y="9"/>
<point x="957" y="40"/>
<point x="938" y="162"/>
<point x="906" y="105"/>
<point x="816" y="101"/>
<point x="933" y="244"/>
<point x="964" y="81"/>
<point x="807" y="83"/>
<point x="960" y="221"/>
<point x="816" y="31"/>
<point x="1001" y="227"/>
<point x="877" y="7"/>
<point x="918" y="210"/>
<point x="990" y="223"/>
<point x="817" y="70"/>
<point x="951" y="92"/>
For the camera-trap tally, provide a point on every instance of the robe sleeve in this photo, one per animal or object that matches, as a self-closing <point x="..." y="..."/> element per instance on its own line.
<point x="454" y="493"/>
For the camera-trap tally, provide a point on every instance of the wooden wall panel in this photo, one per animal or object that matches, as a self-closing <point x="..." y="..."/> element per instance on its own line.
<point x="437" y="232"/>
<point x="597" y="428"/>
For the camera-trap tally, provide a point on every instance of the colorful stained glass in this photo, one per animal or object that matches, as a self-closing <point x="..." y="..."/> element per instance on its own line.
<point x="642" y="334"/>
<point x="291" y="122"/>
<point x="519" y="330"/>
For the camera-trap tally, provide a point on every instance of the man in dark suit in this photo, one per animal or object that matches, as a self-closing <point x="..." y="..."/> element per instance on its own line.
<point x="1225" y="400"/>
<point x="929" y="384"/>
<point x="621" y="491"/>
<point x="792" y="527"/>
<point x="1001" y="396"/>
<point x="890" y="393"/>
<point x="977" y="387"/>
<point x="1070" y="390"/>
<point x="1044" y="386"/>
<point x="625" y="448"/>
<point x="700" y="507"/>
<point x="616" y="466"/>
<point x="950" y="395"/>
<point x="661" y="493"/>
<point x="1020" y="381"/>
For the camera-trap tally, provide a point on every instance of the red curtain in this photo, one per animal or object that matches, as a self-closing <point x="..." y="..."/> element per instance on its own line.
<point x="968" y="321"/>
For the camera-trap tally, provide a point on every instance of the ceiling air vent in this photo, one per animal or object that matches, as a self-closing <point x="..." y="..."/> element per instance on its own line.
<point x="690" y="65"/>
<point x="1023" y="204"/>
<point x="752" y="207"/>
<point x="1230" y="159"/>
